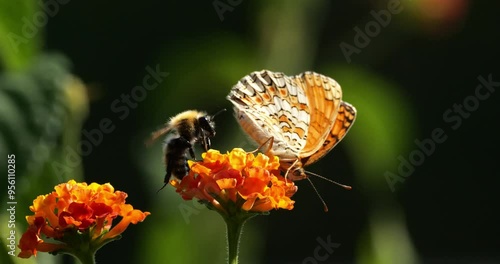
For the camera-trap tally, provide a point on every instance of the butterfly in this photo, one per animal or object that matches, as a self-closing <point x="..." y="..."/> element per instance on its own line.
<point x="302" y="116"/>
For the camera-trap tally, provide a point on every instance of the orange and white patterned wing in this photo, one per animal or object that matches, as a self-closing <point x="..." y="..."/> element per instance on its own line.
<point x="324" y="96"/>
<point x="344" y="120"/>
<point x="270" y="104"/>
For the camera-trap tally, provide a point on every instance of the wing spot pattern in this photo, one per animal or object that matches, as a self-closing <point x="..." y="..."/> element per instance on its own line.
<point x="304" y="113"/>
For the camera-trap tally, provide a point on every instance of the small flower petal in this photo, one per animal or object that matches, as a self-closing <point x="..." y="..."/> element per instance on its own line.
<point x="133" y="216"/>
<point x="237" y="158"/>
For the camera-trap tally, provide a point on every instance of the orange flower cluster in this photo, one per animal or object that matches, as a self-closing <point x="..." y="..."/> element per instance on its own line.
<point x="77" y="208"/>
<point x="250" y="182"/>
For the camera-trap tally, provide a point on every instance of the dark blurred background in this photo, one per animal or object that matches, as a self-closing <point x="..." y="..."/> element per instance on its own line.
<point x="413" y="70"/>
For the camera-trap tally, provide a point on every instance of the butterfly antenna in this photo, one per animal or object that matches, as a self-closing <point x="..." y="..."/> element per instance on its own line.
<point x="347" y="187"/>
<point x="325" y="207"/>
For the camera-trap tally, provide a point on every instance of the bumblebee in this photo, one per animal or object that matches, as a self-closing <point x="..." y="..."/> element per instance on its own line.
<point x="188" y="127"/>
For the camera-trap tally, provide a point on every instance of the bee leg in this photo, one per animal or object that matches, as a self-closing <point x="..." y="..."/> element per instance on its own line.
<point x="167" y="174"/>
<point x="207" y="143"/>
<point x="168" y="171"/>
<point x="191" y="152"/>
<point x="172" y="148"/>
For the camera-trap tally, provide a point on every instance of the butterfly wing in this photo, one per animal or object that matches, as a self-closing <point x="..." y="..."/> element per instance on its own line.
<point x="269" y="104"/>
<point x="343" y="122"/>
<point x="324" y="96"/>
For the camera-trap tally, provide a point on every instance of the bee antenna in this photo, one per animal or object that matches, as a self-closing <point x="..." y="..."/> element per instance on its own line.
<point x="218" y="112"/>
<point x="347" y="187"/>
<point x="325" y="207"/>
<point x="161" y="188"/>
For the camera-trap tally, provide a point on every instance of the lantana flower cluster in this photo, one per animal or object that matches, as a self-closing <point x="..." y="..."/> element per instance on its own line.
<point x="75" y="216"/>
<point x="250" y="182"/>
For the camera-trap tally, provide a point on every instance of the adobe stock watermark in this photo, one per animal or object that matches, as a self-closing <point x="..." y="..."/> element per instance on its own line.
<point x="196" y="207"/>
<point x="11" y="235"/>
<point x="223" y="6"/>
<point x="323" y="251"/>
<point x="187" y="210"/>
<point x="121" y="108"/>
<point x="31" y="27"/>
<point x="363" y="37"/>
<point x="453" y="117"/>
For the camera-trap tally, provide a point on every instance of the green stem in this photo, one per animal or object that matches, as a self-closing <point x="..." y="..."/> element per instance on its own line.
<point x="85" y="257"/>
<point x="234" y="229"/>
<point x="234" y="226"/>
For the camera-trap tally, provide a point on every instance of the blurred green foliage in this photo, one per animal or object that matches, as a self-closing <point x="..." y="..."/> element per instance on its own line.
<point x="20" y="40"/>
<point x="41" y="114"/>
<point x="42" y="106"/>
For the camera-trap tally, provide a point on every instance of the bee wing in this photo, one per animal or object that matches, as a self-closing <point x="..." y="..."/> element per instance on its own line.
<point x="158" y="133"/>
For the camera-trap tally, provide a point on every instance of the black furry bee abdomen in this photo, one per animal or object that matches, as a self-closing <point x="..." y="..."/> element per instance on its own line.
<point x="176" y="158"/>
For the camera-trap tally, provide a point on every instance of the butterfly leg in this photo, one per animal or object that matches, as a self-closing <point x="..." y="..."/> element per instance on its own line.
<point x="292" y="166"/>
<point x="268" y="144"/>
